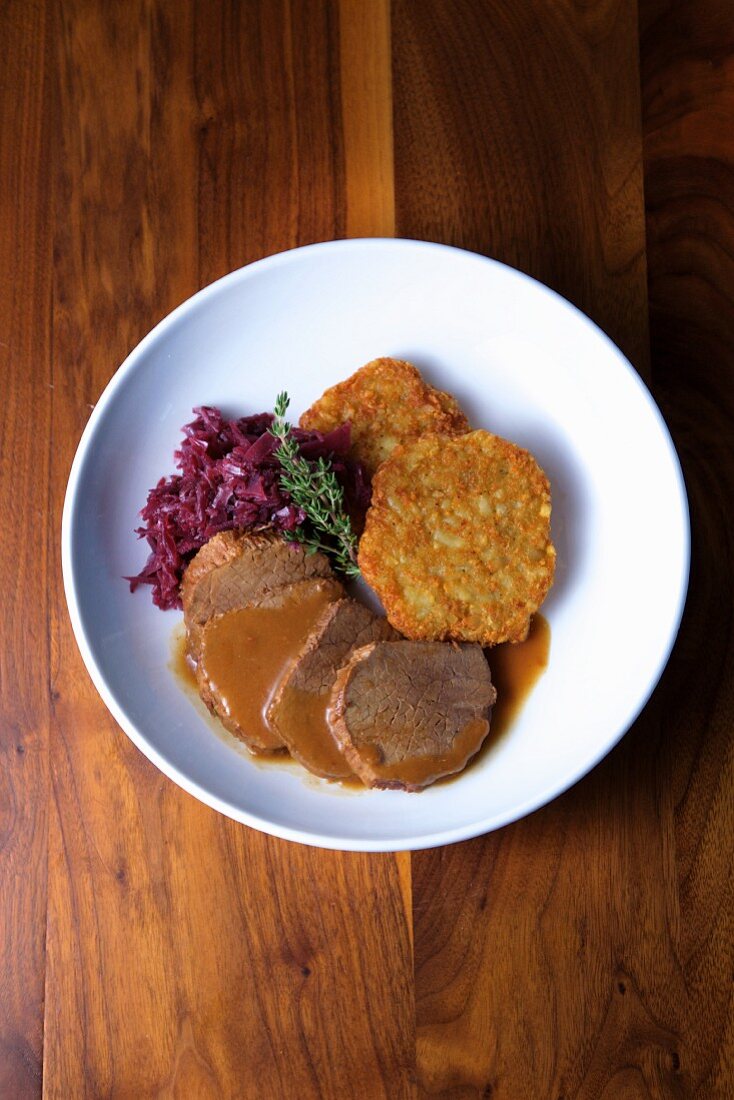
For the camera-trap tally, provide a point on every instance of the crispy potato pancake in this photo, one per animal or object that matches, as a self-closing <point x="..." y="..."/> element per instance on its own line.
<point x="387" y="403"/>
<point x="457" y="539"/>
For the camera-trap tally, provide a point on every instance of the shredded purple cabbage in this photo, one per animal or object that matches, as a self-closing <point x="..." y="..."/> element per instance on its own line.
<point x="229" y="479"/>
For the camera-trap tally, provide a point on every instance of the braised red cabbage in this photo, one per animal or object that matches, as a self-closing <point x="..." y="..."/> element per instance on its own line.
<point x="229" y="478"/>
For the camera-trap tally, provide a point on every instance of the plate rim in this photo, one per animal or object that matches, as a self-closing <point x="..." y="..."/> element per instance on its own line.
<point x="304" y="836"/>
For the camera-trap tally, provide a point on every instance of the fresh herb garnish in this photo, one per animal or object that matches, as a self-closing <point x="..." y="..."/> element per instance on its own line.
<point x="314" y="488"/>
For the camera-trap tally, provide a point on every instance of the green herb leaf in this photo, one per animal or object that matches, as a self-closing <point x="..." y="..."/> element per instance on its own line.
<point x="314" y="488"/>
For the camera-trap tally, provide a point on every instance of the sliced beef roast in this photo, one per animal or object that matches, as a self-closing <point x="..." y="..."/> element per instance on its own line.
<point x="245" y="652"/>
<point x="298" y="709"/>
<point x="233" y="570"/>
<point x="406" y="713"/>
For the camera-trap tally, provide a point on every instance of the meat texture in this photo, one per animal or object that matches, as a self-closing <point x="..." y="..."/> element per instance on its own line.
<point x="233" y="570"/>
<point x="406" y="713"/>
<point x="297" y="712"/>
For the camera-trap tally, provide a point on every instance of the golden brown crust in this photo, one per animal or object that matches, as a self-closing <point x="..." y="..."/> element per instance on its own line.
<point x="387" y="402"/>
<point x="457" y="540"/>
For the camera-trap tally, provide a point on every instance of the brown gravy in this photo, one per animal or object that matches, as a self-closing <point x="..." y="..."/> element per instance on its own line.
<point x="308" y="713"/>
<point x="420" y="771"/>
<point x="245" y="654"/>
<point x="515" y="671"/>
<point x="181" y="664"/>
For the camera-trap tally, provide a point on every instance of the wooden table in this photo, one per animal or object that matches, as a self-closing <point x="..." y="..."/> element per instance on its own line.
<point x="151" y="947"/>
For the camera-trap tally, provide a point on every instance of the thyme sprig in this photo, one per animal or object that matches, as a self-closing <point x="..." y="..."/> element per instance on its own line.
<point x="314" y="488"/>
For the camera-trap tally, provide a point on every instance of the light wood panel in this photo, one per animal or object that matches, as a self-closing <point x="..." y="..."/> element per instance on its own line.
<point x="366" y="101"/>
<point x="26" y="452"/>
<point x="189" y="956"/>
<point x="269" y="133"/>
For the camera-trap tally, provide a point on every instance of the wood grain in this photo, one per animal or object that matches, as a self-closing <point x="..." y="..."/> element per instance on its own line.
<point x="579" y="952"/>
<point x="687" y="53"/>
<point x="544" y="955"/>
<point x="517" y="134"/>
<point x="25" y="454"/>
<point x="149" y="947"/>
<point x="269" y="143"/>
<point x="366" y="100"/>
<point x="187" y="955"/>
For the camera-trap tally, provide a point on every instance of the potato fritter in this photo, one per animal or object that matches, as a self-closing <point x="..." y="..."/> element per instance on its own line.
<point x="387" y="403"/>
<point x="457" y="539"/>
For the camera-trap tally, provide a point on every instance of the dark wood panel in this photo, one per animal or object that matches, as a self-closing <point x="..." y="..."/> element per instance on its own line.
<point x="189" y="956"/>
<point x="26" y="450"/>
<point x="517" y="134"/>
<point x="687" y="55"/>
<point x="543" y="954"/>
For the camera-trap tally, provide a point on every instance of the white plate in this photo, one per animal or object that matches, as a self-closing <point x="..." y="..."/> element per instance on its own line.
<point x="524" y="364"/>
